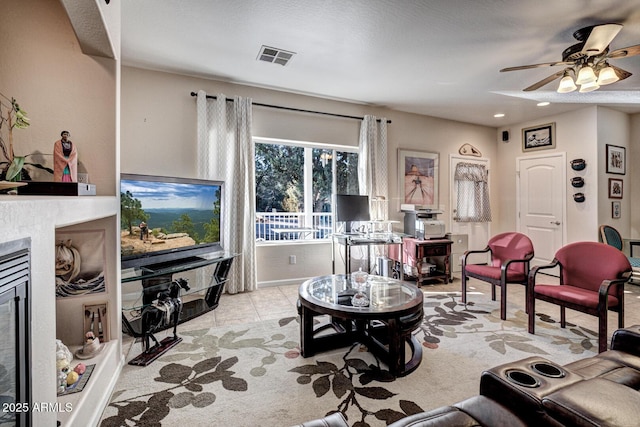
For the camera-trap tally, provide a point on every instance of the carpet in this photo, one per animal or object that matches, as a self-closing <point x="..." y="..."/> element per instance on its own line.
<point x="253" y="374"/>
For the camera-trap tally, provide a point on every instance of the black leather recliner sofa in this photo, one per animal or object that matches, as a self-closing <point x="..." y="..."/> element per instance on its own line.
<point x="602" y="390"/>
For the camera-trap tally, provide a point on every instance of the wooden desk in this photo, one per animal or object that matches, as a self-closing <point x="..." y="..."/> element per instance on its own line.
<point x="416" y="250"/>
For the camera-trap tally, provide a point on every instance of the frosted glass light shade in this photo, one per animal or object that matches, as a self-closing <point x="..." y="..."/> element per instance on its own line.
<point x="607" y="76"/>
<point x="586" y="75"/>
<point x="566" y="85"/>
<point x="589" y="87"/>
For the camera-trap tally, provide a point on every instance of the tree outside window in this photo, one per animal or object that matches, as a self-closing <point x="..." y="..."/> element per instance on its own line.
<point x="295" y="185"/>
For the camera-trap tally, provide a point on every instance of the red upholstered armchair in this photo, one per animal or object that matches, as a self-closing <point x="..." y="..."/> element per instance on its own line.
<point x="510" y="256"/>
<point x="592" y="278"/>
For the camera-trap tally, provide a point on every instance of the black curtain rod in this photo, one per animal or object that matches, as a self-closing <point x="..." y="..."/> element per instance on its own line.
<point x="293" y="109"/>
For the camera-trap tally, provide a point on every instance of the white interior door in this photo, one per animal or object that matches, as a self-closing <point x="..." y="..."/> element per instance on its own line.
<point x="541" y="188"/>
<point x="477" y="232"/>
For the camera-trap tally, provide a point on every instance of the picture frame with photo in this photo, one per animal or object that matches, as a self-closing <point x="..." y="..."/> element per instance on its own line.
<point x="541" y="137"/>
<point x="418" y="177"/>
<point x="96" y="320"/>
<point x="616" y="160"/>
<point x="615" y="188"/>
<point x="616" y="210"/>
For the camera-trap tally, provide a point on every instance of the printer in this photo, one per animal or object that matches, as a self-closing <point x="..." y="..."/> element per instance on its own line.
<point x="423" y="223"/>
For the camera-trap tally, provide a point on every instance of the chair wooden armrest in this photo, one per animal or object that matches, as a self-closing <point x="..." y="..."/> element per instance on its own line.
<point x="534" y="270"/>
<point x="505" y="265"/>
<point x="603" y="291"/>
<point x="532" y="275"/>
<point x="475" y="251"/>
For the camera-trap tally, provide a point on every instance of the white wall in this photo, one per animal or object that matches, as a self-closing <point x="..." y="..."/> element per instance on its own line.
<point x="614" y="129"/>
<point x="61" y="88"/>
<point x="45" y="70"/>
<point x="159" y="137"/>
<point x="633" y="159"/>
<point x="583" y="134"/>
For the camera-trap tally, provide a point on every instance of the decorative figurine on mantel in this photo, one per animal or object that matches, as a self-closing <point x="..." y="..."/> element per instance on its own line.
<point x="65" y="159"/>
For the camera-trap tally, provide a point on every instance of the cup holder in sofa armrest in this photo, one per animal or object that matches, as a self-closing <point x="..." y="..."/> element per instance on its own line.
<point x="522" y="378"/>
<point x="548" y="370"/>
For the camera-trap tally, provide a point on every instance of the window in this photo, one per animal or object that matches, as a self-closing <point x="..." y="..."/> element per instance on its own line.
<point x="295" y="184"/>
<point x="472" y="187"/>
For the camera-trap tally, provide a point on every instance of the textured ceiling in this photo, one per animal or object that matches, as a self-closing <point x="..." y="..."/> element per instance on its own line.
<point x="439" y="57"/>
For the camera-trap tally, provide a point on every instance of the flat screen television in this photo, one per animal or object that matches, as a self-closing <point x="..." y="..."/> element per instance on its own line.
<point x="167" y="220"/>
<point x="351" y="208"/>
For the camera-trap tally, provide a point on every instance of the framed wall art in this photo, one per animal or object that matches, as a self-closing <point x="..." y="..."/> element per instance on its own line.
<point x="80" y="263"/>
<point x="615" y="188"/>
<point x="96" y="320"/>
<point x="616" y="209"/>
<point x="616" y="162"/>
<point x="541" y="137"/>
<point x="418" y="177"/>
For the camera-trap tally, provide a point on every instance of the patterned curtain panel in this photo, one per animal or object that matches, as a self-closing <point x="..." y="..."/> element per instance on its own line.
<point x="373" y="175"/>
<point x="472" y="185"/>
<point x="226" y="152"/>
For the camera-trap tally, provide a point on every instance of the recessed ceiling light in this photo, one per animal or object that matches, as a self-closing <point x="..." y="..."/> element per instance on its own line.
<point x="498" y="115"/>
<point x="543" y="104"/>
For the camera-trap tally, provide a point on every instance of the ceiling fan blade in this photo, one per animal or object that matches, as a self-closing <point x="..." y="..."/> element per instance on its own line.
<point x="622" y="74"/>
<point x="599" y="38"/>
<point x="625" y="52"/>
<point x="546" y="64"/>
<point x="543" y="82"/>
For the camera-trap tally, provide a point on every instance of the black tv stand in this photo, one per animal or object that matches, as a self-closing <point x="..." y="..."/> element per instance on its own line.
<point x="140" y="287"/>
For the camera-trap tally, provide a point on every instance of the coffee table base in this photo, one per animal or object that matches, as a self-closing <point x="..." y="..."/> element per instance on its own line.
<point x="387" y="338"/>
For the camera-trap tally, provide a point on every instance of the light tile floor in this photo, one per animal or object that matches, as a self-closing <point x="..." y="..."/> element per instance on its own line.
<point x="280" y="301"/>
<point x="276" y="302"/>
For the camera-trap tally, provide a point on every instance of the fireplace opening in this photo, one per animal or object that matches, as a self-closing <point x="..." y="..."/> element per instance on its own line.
<point x="15" y="353"/>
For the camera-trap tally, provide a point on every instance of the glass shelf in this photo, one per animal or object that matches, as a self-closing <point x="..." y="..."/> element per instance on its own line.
<point x="168" y="268"/>
<point x="206" y="276"/>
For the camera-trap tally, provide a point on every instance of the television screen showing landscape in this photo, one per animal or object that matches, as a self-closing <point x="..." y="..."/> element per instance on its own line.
<point x="159" y="214"/>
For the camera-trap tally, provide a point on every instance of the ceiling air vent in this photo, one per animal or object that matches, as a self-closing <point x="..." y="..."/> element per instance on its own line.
<point x="275" y="55"/>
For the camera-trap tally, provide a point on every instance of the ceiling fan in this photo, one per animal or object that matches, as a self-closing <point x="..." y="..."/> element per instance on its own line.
<point x="587" y="61"/>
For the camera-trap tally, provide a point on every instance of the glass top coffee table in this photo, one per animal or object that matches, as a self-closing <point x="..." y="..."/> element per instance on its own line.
<point x="384" y="325"/>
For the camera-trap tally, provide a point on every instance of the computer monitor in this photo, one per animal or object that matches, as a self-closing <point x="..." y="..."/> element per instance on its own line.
<point x="350" y="207"/>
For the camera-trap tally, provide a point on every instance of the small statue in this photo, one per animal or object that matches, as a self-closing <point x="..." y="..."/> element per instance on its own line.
<point x="65" y="159"/>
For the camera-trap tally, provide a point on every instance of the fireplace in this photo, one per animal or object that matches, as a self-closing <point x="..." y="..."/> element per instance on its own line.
<point x="15" y="354"/>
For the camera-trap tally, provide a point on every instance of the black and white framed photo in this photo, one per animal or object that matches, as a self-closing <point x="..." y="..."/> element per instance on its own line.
<point x="541" y="137"/>
<point x="615" y="188"/>
<point x="616" y="162"/>
<point x="616" y="209"/>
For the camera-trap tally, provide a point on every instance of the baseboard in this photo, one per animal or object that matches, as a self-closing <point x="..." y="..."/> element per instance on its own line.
<point x="283" y="282"/>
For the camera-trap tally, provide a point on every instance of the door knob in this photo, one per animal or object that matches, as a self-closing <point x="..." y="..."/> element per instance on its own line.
<point x="555" y="222"/>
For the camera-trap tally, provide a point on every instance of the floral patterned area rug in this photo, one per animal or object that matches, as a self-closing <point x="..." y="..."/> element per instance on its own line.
<point x="248" y="375"/>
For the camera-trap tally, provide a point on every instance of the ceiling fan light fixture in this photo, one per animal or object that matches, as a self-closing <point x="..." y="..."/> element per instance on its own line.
<point x="566" y="84"/>
<point x="589" y="87"/>
<point x="586" y="75"/>
<point x="607" y="76"/>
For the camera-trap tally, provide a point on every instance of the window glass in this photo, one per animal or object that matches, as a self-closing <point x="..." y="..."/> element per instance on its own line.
<point x="322" y="179"/>
<point x="295" y="185"/>
<point x="279" y="177"/>
<point x="347" y="173"/>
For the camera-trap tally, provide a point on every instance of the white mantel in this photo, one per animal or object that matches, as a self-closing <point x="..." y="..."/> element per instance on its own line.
<point x="37" y="218"/>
